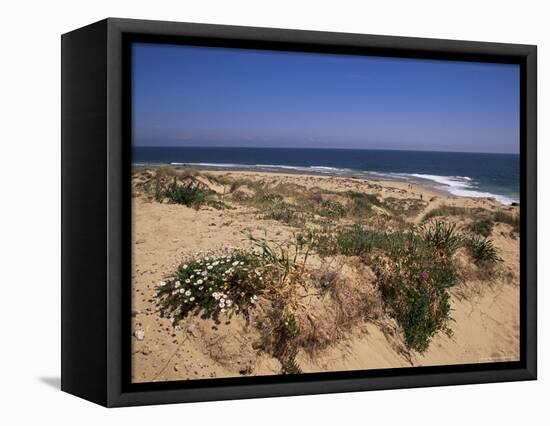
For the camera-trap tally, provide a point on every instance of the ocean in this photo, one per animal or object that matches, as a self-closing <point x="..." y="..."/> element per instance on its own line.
<point x="460" y="174"/>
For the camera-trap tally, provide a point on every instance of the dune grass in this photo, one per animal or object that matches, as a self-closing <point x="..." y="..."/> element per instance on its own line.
<point x="482" y="226"/>
<point x="509" y="219"/>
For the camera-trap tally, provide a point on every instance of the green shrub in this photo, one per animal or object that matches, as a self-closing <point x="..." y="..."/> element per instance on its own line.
<point x="482" y="226"/>
<point x="413" y="270"/>
<point x="190" y="194"/>
<point x="482" y="250"/>
<point x="413" y="282"/>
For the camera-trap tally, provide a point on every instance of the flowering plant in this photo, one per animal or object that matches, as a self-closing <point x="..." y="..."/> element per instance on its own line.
<point x="213" y="285"/>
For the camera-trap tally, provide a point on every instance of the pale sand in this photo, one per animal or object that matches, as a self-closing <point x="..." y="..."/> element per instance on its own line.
<point x="486" y="314"/>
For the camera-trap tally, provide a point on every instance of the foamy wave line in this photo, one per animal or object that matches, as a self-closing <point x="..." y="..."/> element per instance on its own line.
<point x="319" y="169"/>
<point x="220" y="165"/>
<point x="461" y="186"/>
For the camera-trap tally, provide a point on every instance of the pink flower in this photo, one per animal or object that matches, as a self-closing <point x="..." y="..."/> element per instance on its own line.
<point x="425" y="275"/>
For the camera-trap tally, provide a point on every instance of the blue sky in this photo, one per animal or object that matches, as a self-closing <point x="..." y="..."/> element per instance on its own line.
<point x="205" y="96"/>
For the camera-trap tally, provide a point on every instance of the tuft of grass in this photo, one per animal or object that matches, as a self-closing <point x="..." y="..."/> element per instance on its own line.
<point x="219" y="205"/>
<point x="482" y="226"/>
<point x="360" y="204"/>
<point x="442" y="237"/>
<point x="358" y="241"/>
<point x="289" y="365"/>
<point x="190" y="194"/>
<point x="510" y="219"/>
<point x="283" y="329"/>
<point x="406" y="207"/>
<point x="286" y="213"/>
<point x="444" y="211"/>
<point x="482" y="250"/>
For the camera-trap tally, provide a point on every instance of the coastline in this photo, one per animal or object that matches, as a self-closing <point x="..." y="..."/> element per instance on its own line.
<point x="450" y="186"/>
<point x="485" y="309"/>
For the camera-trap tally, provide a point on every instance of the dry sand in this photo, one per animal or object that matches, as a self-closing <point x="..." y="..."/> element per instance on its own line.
<point x="485" y="312"/>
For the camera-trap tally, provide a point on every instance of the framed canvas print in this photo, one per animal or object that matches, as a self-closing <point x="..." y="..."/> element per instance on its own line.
<point x="252" y="212"/>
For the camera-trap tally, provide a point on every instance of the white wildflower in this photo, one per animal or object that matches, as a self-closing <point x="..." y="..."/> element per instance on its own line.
<point x="187" y="281"/>
<point x="182" y="291"/>
<point x="191" y="299"/>
<point x="235" y="263"/>
<point x="188" y="293"/>
<point x="184" y="266"/>
<point x="210" y="267"/>
<point x="177" y="284"/>
<point x="199" y="282"/>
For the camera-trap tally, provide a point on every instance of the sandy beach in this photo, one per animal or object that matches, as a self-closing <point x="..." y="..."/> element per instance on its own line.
<point x="484" y="304"/>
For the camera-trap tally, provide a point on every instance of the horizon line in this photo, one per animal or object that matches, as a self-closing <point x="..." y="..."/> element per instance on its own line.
<point x="321" y="148"/>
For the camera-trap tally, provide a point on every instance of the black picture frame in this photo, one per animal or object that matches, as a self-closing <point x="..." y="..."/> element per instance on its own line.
<point x="96" y="212"/>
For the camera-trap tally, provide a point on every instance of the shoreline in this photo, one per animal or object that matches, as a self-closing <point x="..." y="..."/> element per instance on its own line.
<point x="434" y="185"/>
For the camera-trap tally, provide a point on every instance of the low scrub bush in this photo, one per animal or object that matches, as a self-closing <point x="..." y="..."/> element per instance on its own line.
<point x="482" y="226"/>
<point x="482" y="250"/>
<point x="360" y="204"/>
<point x="330" y="209"/>
<point x="414" y="269"/>
<point x="413" y="282"/>
<point x="189" y="194"/>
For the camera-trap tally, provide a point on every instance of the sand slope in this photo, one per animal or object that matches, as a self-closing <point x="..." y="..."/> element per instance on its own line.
<point x="485" y="313"/>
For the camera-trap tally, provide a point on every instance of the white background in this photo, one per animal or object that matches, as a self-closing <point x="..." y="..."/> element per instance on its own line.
<point x="30" y="210"/>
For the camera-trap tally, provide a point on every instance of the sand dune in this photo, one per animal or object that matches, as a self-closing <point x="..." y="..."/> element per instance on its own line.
<point x="485" y="310"/>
